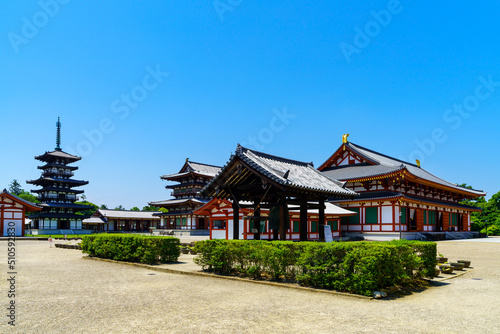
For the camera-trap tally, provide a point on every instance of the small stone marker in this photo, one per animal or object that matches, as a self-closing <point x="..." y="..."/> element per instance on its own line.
<point x="379" y="294"/>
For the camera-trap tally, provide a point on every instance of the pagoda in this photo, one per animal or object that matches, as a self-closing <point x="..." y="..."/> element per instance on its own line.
<point x="192" y="177"/>
<point x="57" y="195"/>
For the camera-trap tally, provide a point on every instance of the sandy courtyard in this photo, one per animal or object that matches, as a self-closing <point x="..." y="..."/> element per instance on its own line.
<point x="59" y="292"/>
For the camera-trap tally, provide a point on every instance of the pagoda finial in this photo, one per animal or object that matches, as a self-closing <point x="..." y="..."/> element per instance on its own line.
<point x="58" y="138"/>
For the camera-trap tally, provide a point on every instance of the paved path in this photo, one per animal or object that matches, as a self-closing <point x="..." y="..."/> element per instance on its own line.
<point x="59" y="292"/>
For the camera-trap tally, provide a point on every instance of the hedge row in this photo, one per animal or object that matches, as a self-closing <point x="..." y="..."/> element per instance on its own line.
<point x="132" y="248"/>
<point x="352" y="267"/>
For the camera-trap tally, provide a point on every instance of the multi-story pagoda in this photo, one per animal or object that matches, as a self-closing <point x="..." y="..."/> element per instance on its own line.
<point x="57" y="195"/>
<point x="192" y="177"/>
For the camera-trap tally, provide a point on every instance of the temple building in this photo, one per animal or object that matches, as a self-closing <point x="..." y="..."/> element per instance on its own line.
<point x="261" y="196"/>
<point x="191" y="178"/>
<point x="105" y="220"/>
<point x="58" y="193"/>
<point x="221" y="218"/>
<point x="396" y="196"/>
<point x="13" y="214"/>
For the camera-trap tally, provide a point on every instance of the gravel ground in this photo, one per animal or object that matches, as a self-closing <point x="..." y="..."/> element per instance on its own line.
<point x="59" y="292"/>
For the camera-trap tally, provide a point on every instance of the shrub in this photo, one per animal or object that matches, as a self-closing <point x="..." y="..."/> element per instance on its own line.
<point x="132" y="248"/>
<point x="353" y="267"/>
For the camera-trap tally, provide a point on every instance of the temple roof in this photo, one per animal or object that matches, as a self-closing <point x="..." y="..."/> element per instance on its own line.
<point x="54" y="155"/>
<point x="378" y="164"/>
<point x="31" y="206"/>
<point x="65" y="205"/>
<point x="391" y="195"/>
<point x="293" y="175"/>
<point x="57" y="215"/>
<point x="196" y="168"/>
<point x="178" y="201"/>
<point x="127" y="214"/>
<point x="49" y="180"/>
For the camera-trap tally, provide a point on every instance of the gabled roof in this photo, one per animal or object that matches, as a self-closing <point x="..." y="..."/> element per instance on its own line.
<point x="378" y="164"/>
<point x="293" y="175"/>
<point x="196" y="168"/>
<point x="29" y="205"/>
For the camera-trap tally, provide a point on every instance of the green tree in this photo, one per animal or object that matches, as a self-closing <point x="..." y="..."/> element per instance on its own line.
<point x="88" y="212"/>
<point x="488" y="219"/>
<point x="15" y="188"/>
<point x="103" y="206"/>
<point x="120" y="207"/>
<point x="150" y="208"/>
<point x="135" y="209"/>
<point x="28" y="197"/>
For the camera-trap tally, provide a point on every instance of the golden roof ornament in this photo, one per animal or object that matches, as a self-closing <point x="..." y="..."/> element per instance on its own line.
<point x="344" y="138"/>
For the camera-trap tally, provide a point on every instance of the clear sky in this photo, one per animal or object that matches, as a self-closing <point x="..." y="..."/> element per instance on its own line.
<point x="142" y="85"/>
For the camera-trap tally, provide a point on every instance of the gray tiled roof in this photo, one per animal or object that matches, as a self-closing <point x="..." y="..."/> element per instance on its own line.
<point x="195" y="167"/>
<point x="178" y="201"/>
<point x="301" y="176"/>
<point x="58" y="154"/>
<point x="384" y="165"/>
<point x="126" y="214"/>
<point x="204" y="169"/>
<point x="386" y="195"/>
<point x="93" y="220"/>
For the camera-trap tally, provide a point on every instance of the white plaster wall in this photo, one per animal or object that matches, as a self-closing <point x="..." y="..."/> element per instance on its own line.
<point x="229" y="229"/>
<point x="18" y="215"/>
<point x="387" y="217"/>
<point x="111" y="226"/>
<point x="18" y="226"/>
<point x="218" y="234"/>
<point x="386" y="228"/>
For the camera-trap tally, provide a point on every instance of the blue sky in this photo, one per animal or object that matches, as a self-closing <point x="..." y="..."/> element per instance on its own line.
<point x="141" y="86"/>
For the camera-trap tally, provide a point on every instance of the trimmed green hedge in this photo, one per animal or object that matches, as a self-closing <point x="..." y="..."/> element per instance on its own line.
<point x="132" y="248"/>
<point x="353" y="267"/>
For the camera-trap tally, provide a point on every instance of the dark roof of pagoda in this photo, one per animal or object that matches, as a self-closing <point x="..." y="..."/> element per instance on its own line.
<point x="51" y="165"/>
<point x="49" y="180"/>
<point x="66" y="205"/>
<point x="32" y="206"/>
<point x="384" y="164"/>
<point x="293" y="175"/>
<point x="63" y="190"/>
<point x="57" y="215"/>
<point x="54" y="155"/>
